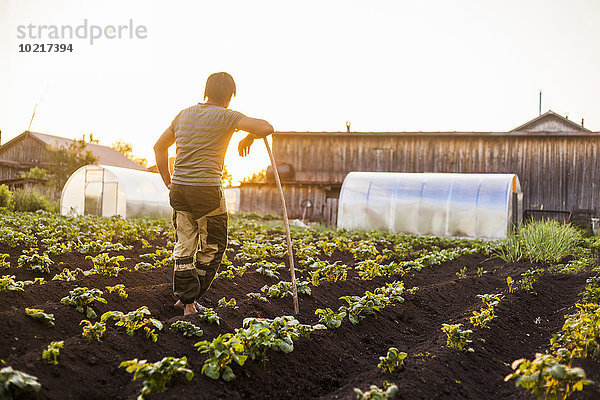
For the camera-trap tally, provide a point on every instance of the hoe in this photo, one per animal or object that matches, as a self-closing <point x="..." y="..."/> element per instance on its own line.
<point x="287" y="227"/>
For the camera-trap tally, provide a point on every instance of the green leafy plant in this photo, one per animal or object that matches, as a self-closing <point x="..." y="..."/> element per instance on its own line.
<point x="81" y="298"/>
<point x="370" y="269"/>
<point x="375" y="393"/>
<point x="39" y="281"/>
<point x="8" y="282"/>
<point x="510" y="282"/>
<point x="224" y="303"/>
<point x="209" y="315"/>
<point x="14" y="384"/>
<point x="482" y="317"/>
<point x="580" y="333"/>
<point x="227" y="274"/>
<point x="528" y="278"/>
<point x="187" y="328"/>
<point x="106" y="265"/>
<point x="547" y="378"/>
<point x="31" y="260"/>
<point x="284" y="289"/>
<point x="269" y="269"/>
<point x="144" y="266"/>
<point x="462" y="274"/>
<point x="6" y="197"/>
<point x="456" y="337"/>
<point x="92" y="331"/>
<point x="3" y="263"/>
<point x="157" y="375"/>
<point x="328" y="272"/>
<point x="591" y="291"/>
<point x="485" y="314"/>
<point x="41" y="316"/>
<point x="257" y="296"/>
<point x="31" y="200"/>
<point x="330" y="318"/>
<point x="66" y="275"/>
<point x="134" y="320"/>
<point x="52" y="352"/>
<point x="583" y="258"/>
<point x="251" y="341"/>
<point x="480" y="271"/>
<point x="359" y="306"/>
<point x="393" y="361"/>
<point x="118" y="289"/>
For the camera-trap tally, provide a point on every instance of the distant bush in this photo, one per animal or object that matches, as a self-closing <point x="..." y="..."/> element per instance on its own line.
<point x="35" y="173"/>
<point x="31" y="200"/>
<point x="6" y="197"/>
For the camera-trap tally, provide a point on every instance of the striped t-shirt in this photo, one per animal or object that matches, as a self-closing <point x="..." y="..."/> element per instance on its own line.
<point x="202" y="134"/>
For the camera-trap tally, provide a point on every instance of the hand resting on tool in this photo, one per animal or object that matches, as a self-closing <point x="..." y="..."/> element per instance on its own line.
<point x="258" y="128"/>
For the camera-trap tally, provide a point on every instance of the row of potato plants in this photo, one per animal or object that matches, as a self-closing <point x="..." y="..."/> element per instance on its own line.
<point x="551" y="375"/>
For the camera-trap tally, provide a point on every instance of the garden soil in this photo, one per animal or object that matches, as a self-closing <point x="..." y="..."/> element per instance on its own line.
<point x="327" y="366"/>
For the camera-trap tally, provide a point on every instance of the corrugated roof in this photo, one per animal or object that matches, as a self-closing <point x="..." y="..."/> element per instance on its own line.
<point x="106" y="155"/>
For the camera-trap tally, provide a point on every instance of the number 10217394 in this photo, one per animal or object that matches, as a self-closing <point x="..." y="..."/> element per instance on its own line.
<point x="45" y="48"/>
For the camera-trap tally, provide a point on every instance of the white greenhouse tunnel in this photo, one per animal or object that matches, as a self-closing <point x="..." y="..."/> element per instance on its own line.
<point x="106" y="191"/>
<point x="441" y="204"/>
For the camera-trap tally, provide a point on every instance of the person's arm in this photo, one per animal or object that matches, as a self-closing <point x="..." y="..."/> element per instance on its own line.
<point x="161" y="152"/>
<point x="257" y="128"/>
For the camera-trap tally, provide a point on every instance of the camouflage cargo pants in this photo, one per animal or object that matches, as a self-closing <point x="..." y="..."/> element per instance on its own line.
<point x="200" y="220"/>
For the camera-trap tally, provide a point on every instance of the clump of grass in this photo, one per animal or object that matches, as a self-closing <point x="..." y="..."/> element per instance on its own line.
<point x="549" y="241"/>
<point x="540" y="241"/>
<point x="510" y="250"/>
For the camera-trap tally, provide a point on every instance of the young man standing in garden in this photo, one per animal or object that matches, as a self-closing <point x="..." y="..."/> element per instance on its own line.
<point x="202" y="133"/>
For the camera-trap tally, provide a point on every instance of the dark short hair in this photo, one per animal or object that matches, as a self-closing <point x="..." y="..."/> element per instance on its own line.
<point x="220" y="87"/>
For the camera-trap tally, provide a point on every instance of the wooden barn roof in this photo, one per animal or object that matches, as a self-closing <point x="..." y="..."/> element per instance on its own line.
<point x="447" y="133"/>
<point x="105" y="155"/>
<point x="551" y="122"/>
<point x="547" y="124"/>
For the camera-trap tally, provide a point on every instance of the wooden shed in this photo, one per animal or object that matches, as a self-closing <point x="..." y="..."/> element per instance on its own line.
<point x="31" y="149"/>
<point x="556" y="160"/>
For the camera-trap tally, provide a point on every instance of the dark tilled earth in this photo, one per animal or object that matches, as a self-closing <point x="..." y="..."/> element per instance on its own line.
<point x="327" y="366"/>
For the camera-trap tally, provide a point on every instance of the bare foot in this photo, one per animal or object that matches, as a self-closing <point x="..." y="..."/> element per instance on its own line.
<point x="189" y="309"/>
<point x="178" y="304"/>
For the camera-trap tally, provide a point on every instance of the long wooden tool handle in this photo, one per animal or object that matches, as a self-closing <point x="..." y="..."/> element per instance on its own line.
<point x="287" y="227"/>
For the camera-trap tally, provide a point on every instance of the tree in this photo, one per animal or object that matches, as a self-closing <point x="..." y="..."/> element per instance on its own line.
<point x="127" y="150"/>
<point x="65" y="160"/>
<point x="260" y="176"/>
<point x="227" y="178"/>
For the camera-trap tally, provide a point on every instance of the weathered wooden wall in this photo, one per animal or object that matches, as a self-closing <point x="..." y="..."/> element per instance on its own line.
<point x="18" y="157"/>
<point x="263" y="198"/>
<point x="557" y="171"/>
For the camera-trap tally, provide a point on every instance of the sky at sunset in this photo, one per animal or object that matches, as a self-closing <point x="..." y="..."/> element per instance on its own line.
<point x="431" y="65"/>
